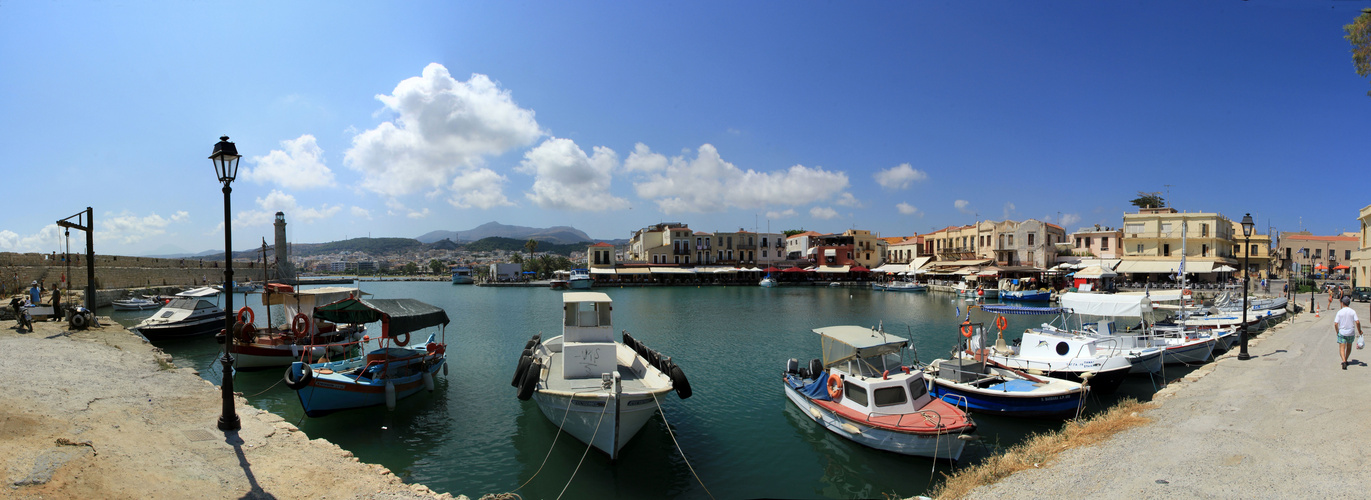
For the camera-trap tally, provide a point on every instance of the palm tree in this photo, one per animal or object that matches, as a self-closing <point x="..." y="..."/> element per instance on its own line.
<point x="531" y="245"/>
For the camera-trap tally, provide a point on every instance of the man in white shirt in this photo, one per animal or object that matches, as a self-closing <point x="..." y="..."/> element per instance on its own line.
<point x="1347" y="326"/>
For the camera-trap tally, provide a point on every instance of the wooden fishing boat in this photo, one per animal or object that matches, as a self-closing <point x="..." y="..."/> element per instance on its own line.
<point x="293" y="335"/>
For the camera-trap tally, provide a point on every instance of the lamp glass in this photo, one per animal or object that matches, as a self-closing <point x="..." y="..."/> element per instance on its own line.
<point x="1247" y="225"/>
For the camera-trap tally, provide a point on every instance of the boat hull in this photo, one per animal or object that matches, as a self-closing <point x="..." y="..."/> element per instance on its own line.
<point x="1007" y="403"/>
<point x="1026" y="296"/>
<point x="342" y="390"/>
<point x="933" y="446"/>
<point x="580" y="284"/>
<point x="1192" y="352"/>
<point x="593" y="418"/>
<point x="183" y="329"/>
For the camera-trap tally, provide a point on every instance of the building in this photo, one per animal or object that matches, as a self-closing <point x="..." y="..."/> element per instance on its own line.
<point x="800" y="246"/>
<point x="1098" y="242"/>
<point x="854" y="247"/>
<point x="1299" y="252"/>
<point x="1028" y="243"/>
<point x="664" y="243"/>
<point x="903" y="250"/>
<point x="954" y="243"/>
<point x="1153" y="239"/>
<point x="600" y="256"/>
<point x="1256" y="253"/>
<point x="1361" y="259"/>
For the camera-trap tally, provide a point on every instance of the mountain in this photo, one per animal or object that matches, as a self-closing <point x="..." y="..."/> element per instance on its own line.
<point x="556" y="234"/>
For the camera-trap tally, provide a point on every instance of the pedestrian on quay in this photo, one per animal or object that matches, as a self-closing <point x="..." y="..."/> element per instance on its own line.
<point x="35" y="293"/>
<point x="1334" y="293"/>
<point x="1348" y="327"/>
<point x="56" y="303"/>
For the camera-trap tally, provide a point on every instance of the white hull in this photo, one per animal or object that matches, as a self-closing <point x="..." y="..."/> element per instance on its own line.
<point x="937" y="446"/>
<point x="593" y="418"/>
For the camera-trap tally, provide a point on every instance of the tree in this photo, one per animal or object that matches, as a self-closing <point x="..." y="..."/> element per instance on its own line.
<point x="1148" y="200"/>
<point x="436" y="266"/>
<point x="793" y="232"/>
<point x="531" y="246"/>
<point x="411" y="268"/>
<point x="1359" y="35"/>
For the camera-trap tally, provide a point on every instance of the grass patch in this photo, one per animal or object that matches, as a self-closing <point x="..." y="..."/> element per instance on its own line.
<point x="1039" y="449"/>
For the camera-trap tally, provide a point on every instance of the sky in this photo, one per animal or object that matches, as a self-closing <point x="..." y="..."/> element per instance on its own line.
<point x="393" y="119"/>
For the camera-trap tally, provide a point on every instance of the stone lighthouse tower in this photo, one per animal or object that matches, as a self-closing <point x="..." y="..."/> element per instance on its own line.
<point x="283" y="268"/>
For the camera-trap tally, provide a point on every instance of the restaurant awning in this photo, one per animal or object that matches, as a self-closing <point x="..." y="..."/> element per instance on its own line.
<point x="633" y="270"/>
<point x="397" y="315"/>
<point x="859" y="269"/>
<point x="834" y="269"/>
<point x="601" y="270"/>
<point x="891" y="268"/>
<point x="671" y="270"/>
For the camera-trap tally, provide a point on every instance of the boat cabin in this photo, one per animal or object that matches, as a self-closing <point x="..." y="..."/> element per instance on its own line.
<point x="1035" y="344"/>
<point x="588" y="347"/>
<point x="871" y="363"/>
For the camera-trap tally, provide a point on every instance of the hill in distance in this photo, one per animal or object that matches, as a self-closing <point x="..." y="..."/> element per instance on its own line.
<point x="557" y="234"/>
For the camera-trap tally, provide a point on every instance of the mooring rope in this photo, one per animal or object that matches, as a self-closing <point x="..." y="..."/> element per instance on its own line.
<point x="678" y="446"/>
<point x="590" y="444"/>
<point x="554" y="444"/>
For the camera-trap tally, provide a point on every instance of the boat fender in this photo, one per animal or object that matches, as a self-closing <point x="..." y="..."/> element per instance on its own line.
<point x="401" y="339"/>
<point x="630" y="341"/>
<point x="664" y="365"/>
<point x="219" y="337"/>
<point x="306" y="374"/>
<point x="537" y="338"/>
<point x="653" y="357"/>
<point x="295" y="350"/>
<point x="835" y="386"/>
<point x="78" y="322"/>
<point x="792" y="366"/>
<point x="524" y="362"/>
<point x="300" y="324"/>
<point x="444" y="369"/>
<point x="815" y="367"/>
<point x="530" y="344"/>
<point x="966" y="328"/>
<point x="245" y="310"/>
<point x="679" y="381"/>
<point x="390" y="395"/>
<point x="530" y="381"/>
<point x="428" y="381"/>
<point x="885" y="375"/>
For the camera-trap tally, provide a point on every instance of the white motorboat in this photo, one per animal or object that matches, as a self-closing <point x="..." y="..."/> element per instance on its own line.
<point x="1061" y="355"/>
<point x="863" y="392"/>
<point x="188" y="314"/>
<point x="905" y="286"/>
<point x="136" y="304"/>
<point x="768" y="282"/>
<point x="580" y="279"/>
<point x="1179" y="345"/>
<point x="598" y="390"/>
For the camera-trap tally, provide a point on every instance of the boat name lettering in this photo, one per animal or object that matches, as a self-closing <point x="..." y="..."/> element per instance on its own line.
<point x="639" y="402"/>
<point x="329" y="385"/>
<point x="588" y="403"/>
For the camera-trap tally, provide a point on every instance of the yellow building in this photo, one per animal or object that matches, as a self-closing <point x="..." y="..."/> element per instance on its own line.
<point x="1361" y="257"/>
<point x="1257" y="252"/>
<point x="1153" y="237"/>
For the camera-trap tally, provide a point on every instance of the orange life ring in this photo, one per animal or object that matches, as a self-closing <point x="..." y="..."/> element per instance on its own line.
<point x="1186" y="292"/>
<point x="1001" y="323"/>
<point x="300" y="324"/>
<point x="966" y="329"/>
<point x="835" y="386"/>
<point x="248" y="310"/>
<point x="401" y="339"/>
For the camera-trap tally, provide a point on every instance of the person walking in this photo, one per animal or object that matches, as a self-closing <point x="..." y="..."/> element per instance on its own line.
<point x="1347" y="326"/>
<point x="57" y="303"/>
<point x="1334" y="293"/>
<point x="35" y="293"/>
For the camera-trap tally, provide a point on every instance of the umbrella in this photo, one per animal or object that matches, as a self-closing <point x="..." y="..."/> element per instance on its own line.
<point x="772" y="269"/>
<point x="793" y="270"/>
<point x="1340" y="267"/>
<point x="859" y="269"/>
<point x="1320" y="266"/>
<point x="1224" y="269"/>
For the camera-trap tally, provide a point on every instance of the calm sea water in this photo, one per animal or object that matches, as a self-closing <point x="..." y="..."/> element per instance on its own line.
<point x="738" y="432"/>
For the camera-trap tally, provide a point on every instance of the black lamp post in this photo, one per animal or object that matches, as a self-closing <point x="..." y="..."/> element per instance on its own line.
<point x="225" y="158"/>
<point x="1246" y="276"/>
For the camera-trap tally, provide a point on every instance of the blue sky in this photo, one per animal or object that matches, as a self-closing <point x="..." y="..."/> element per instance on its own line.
<point x="398" y="118"/>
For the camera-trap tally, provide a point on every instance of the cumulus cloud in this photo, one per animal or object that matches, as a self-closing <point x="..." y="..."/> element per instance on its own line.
<point x="963" y="206"/>
<point x="43" y="241"/>
<point x="847" y="200"/>
<point x="1008" y="210"/>
<point x="360" y="212"/>
<point x="781" y="214"/>
<point x="443" y="131"/>
<point x="906" y="208"/>
<point x="1067" y="220"/>
<point x="297" y="165"/>
<point x="899" y="176"/>
<point x="707" y="183"/>
<point x="480" y="188"/>
<point x="565" y="178"/>
<point x="419" y="214"/>
<point x="823" y="213"/>
<point x="277" y="201"/>
<point x="642" y="159"/>
<point x="130" y="228"/>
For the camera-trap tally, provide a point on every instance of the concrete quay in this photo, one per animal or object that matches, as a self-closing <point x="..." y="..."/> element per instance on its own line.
<point x="1288" y="423"/>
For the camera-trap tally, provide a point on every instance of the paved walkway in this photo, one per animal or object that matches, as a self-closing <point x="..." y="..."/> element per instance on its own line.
<point x="1289" y="423"/>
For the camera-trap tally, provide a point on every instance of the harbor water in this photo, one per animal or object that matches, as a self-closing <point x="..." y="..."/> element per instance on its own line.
<point x="738" y="433"/>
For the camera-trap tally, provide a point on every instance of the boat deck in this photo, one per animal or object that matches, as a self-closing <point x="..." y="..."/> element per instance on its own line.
<point x="636" y="376"/>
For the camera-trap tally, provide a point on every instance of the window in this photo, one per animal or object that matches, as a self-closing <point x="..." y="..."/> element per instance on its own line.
<point x="1204" y="250"/>
<point x="1134" y="228"/>
<point x="1104" y="243"/>
<point x="1204" y="230"/>
<point x="1318" y="253"/>
<point x="1347" y="255"/>
<point x="1166" y="228"/>
<point x="854" y="393"/>
<point x="1166" y="249"/>
<point x="763" y="241"/>
<point x="763" y="253"/>
<point x="1030" y="239"/>
<point x="889" y="396"/>
<point x="1011" y="240"/>
<point x="1253" y="250"/>
<point x="1139" y="250"/>
<point x="917" y="388"/>
<point x="1078" y="242"/>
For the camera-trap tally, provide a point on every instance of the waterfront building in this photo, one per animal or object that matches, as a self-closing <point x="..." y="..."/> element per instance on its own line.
<point x="1097" y="242"/>
<point x="1027" y="243"/>
<point x="953" y="243"/>
<point x="800" y="246"/>
<point x="1257" y="254"/>
<point x="851" y="248"/>
<point x="1297" y="252"/>
<point x="903" y="250"/>
<point x="770" y="249"/>
<point x="600" y="256"/>
<point x="1152" y="240"/>
<point x="664" y="243"/>
<point x="1361" y="258"/>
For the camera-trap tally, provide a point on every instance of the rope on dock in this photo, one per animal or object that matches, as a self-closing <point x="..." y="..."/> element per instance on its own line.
<point x="678" y="446"/>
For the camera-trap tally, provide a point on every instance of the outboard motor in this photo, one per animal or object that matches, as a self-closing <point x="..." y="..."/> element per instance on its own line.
<point x="792" y="366"/>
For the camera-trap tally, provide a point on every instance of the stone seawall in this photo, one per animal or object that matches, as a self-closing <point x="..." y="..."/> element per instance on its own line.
<point x="18" y="270"/>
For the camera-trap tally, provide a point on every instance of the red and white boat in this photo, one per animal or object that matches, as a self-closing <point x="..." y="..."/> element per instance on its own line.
<point x="291" y="334"/>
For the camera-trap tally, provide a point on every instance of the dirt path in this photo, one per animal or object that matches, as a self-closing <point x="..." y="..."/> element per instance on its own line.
<point x="101" y="414"/>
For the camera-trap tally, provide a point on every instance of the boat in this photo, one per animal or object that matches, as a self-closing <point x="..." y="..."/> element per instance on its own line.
<point x="768" y="282"/>
<point x="396" y="369"/>
<point x="1026" y="295"/>
<point x="1179" y="345"/>
<point x="1058" y="354"/>
<point x="187" y="314"/>
<point x="294" y="335"/>
<point x="905" y="286"/>
<point x="136" y="304"/>
<point x="244" y="287"/>
<point x="598" y="390"/>
<point x="461" y="275"/>
<point x="863" y="391"/>
<point x="977" y="293"/>
<point x="989" y="387"/>
<point x="580" y="279"/>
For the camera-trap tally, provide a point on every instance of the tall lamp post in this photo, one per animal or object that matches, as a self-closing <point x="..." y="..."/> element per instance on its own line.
<point x="1246" y="276"/>
<point x="225" y="158"/>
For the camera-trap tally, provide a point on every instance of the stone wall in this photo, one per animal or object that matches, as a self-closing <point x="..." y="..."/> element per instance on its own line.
<point x="18" y="270"/>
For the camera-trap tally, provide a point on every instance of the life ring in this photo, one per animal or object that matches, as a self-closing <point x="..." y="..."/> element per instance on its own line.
<point x="835" y="386"/>
<point x="401" y="339"/>
<point x="1001" y="323"/>
<point x="1186" y="292"/>
<point x="246" y="310"/>
<point x="966" y="329"/>
<point x="300" y="324"/>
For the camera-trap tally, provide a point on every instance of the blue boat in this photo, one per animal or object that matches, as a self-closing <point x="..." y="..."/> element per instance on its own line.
<point x="384" y="375"/>
<point x="984" y="387"/>
<point x="1026" y="295"/>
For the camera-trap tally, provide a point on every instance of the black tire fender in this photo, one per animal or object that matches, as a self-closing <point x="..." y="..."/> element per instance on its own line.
<point x="530" y="381"/>
<point x="679" y="381"/>
<point x="524" y="362"/>
<point x="306" y="375"/>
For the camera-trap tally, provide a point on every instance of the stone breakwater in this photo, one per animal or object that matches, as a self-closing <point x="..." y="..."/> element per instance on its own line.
<point x="18" y="270"/>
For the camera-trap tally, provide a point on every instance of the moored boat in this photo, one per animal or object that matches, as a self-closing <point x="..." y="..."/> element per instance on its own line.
<point x="136" y="304"/>
<point x="461" y="275"/>
<point x="1026" y="295"/>
<point x="863" y="392"/>
<point x="295" y="335"/>
<point x="984" y="385"/>
<point x="768" y="282"/>
<point x="905" y="286"/>
<point x="186" y="315"/>
<point x="580" y="279"/>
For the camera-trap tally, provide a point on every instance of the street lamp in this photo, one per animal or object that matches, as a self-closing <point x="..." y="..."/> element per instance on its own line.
<point x="1246" y="276"/>
<point x="225" y="158"/>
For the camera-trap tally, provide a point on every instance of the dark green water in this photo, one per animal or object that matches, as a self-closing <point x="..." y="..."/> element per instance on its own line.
<point x="739" y="433"/>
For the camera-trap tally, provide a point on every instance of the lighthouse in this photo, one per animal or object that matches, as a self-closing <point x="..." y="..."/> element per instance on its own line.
<point x="283" y="268"/>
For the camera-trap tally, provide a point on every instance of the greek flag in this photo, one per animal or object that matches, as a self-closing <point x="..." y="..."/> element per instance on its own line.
<point x="959" y="311"/>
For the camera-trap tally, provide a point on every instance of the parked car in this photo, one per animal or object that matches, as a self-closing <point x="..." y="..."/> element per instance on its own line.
<point x="1361" y="294"/>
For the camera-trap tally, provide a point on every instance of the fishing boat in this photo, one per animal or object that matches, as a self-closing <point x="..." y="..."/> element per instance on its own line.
<point x="136" y="304"/>
<point x="461" y="275"/>
<point x="598" y="390"/>
<point x="392" y="371"/>
<point x="989" y="387"/>
<point x="1179" y="346"/>
<point x="1058" y="354"/>
<point x="976" y="293"/>
<point x="905" y="286"/>
<point x="768" y="282"/>
<point x="292" y="335"/>
<point x="1026" y="295"/>
<point x="863" y="391"/>
<point x="187" y="314"/>
<point x="580" y="279"/>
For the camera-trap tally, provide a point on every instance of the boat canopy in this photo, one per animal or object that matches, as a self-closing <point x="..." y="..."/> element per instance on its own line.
<point x="322" y="295"/>
<point x="1006" y="309"/>
<point x="396" y="315"/>
<point x="1132" y="306"/>
<point x="844" y="343"/>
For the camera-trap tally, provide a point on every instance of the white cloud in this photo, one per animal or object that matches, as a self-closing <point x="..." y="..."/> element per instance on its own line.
<point x="444" y="130"/>
<point x="565" y="178"/>
<point x="1068" y="220"/>
<point x="899" y="176"/>
<point x="360" y="212"/>
<point x="480" y="188"/>
<point x="277" y="201"/>
<point x="418" y="215"/>
<point x="642" y="159"/>
<point x="963" y="206"/>
<point x="707" y="183"/>
<point x="45" y="240"/>
<point x="823" y="213"/>
<point x="129" y="228"/>
<point x="1008" y="210"/>
<point x="781" y="214"/>
<point x="906" y="208"/>
<point x="298" y="165"/>
<point x="847" y="200"/>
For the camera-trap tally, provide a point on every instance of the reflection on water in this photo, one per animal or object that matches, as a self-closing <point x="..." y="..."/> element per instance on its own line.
<point x="744" y="439"/>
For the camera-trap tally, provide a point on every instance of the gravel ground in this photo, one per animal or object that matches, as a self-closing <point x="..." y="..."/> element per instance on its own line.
<point x="1288" y="423"/>
<point x="101" y="414"/>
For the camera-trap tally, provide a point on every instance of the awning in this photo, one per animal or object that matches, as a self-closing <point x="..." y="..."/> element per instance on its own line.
<point x="859" y="269"/>
<point x="919" y="262"/>
<point x="960" y="263"/>
<point x="793" y="270"/>
<point x="671" y="270"/>
<point x="1163" y="266"/>
<point x="1096" y="304"/>
<point x="891" y="268"/>
<point x="1095" y="272"/>
<point x="834" y="269"/>
<point x="601" y="270"/>
<point x="1340" y="267"/>
<point x="830" y="252"/>
<point x="396" y="315"/>
<point x="633" y="270"/>
<point x="1224" y="269"/>
<point x="965" y="271"/>
<point x="772" y="269"/>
